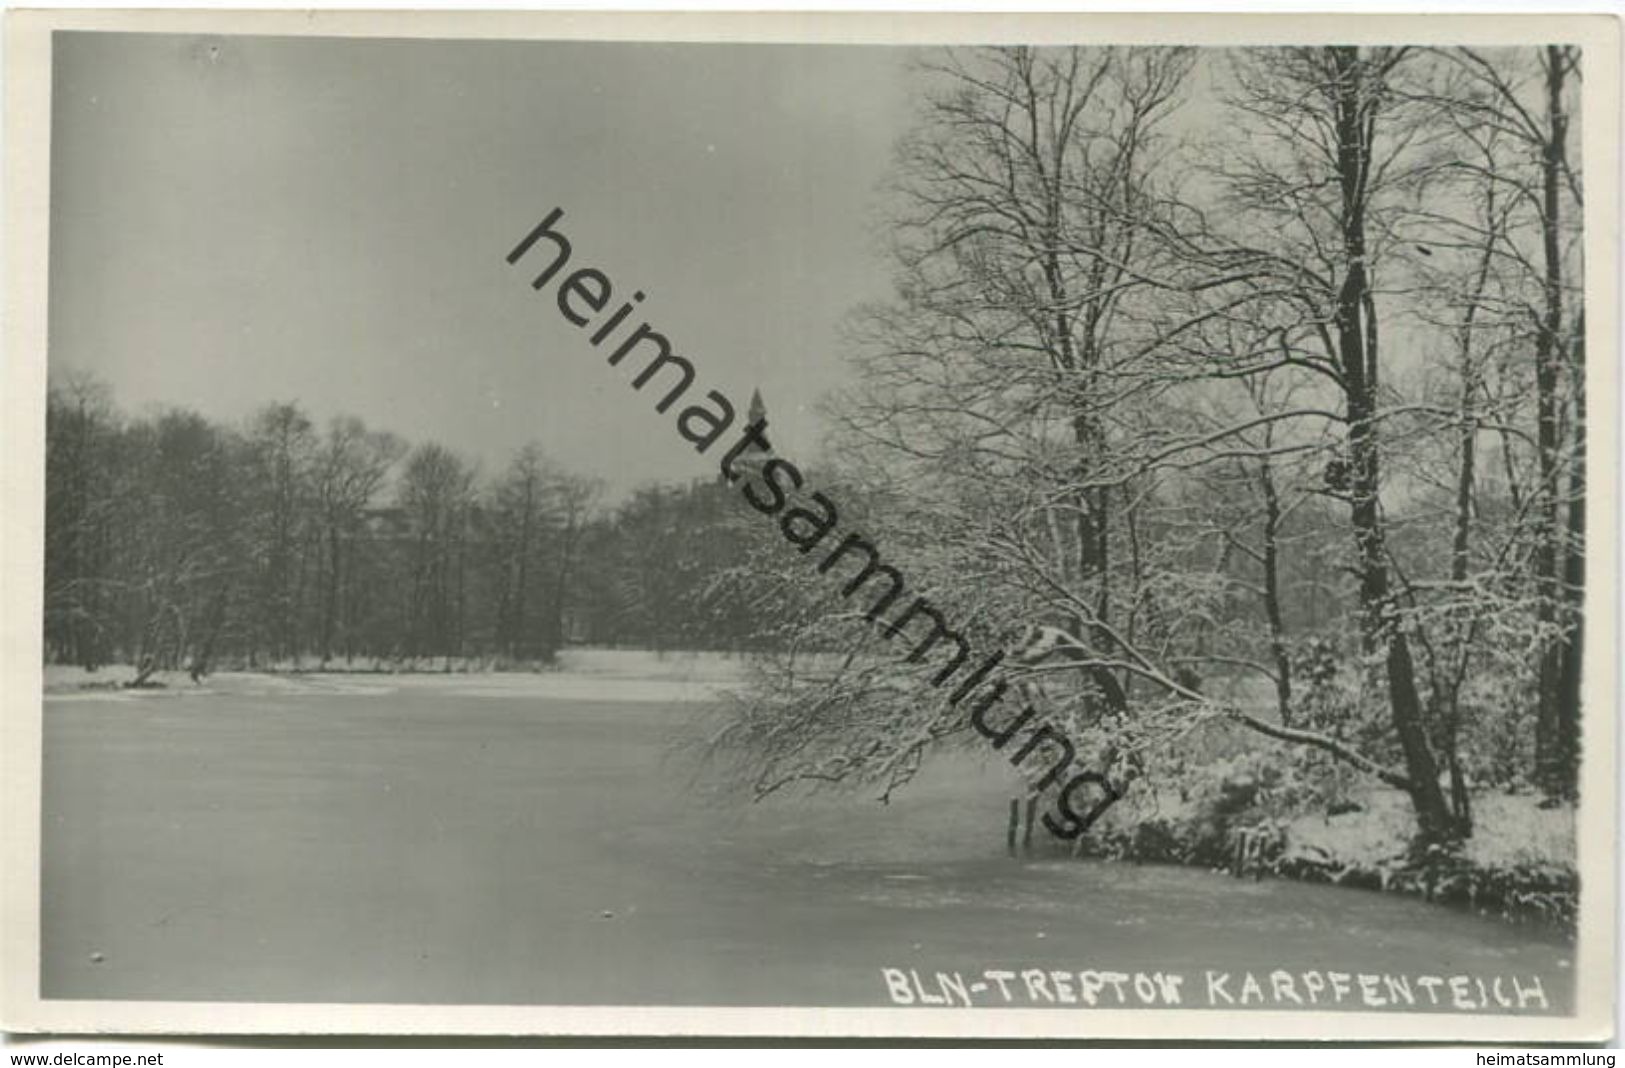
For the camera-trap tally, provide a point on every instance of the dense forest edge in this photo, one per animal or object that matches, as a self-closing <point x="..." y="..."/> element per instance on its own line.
<point x="177" y="543"/>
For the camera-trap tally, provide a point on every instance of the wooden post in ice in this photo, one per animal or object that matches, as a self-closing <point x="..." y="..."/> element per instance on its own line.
<point x="1015" y="819"/>
<point x="1027" y="835"/>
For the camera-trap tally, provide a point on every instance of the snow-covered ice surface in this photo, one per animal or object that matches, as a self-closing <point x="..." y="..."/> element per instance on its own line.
<point x="488" y="839"/>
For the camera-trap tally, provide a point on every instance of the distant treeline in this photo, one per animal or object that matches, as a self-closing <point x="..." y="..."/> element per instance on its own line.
<point x="174" y="542"/>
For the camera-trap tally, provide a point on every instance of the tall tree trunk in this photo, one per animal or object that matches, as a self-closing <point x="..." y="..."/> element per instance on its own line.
<point x="330" y="601"/>
<point x="1356" y="338"/>
<point x="203" y="657"/>
<point x="1568" y="684"/>
<point x="1460" y="557"/>
<point x="521" y="644"/>
<point x="561" y="578"/>
<point x="1272" y="590"/>
<point x="1552" y="767"/>
<point x="1464" y="631"/>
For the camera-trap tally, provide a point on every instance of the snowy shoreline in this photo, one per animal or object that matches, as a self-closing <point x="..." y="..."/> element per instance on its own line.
<point x="581" y="675"/>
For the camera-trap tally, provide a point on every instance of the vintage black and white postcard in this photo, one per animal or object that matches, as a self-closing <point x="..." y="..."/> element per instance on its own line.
<point x="795" y="524"/>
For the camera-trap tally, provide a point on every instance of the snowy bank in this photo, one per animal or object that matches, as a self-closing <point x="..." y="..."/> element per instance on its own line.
<point x="581" y="675"/>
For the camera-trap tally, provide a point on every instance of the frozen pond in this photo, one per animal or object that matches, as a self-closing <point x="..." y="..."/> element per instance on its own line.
<point x="467" y="840"/>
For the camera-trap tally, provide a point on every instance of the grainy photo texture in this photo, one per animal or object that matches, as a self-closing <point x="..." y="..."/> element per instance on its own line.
<point x="1080" y="528"/>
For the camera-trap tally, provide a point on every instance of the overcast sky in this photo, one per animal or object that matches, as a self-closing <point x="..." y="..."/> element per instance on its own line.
<point x="237" y="220"/>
